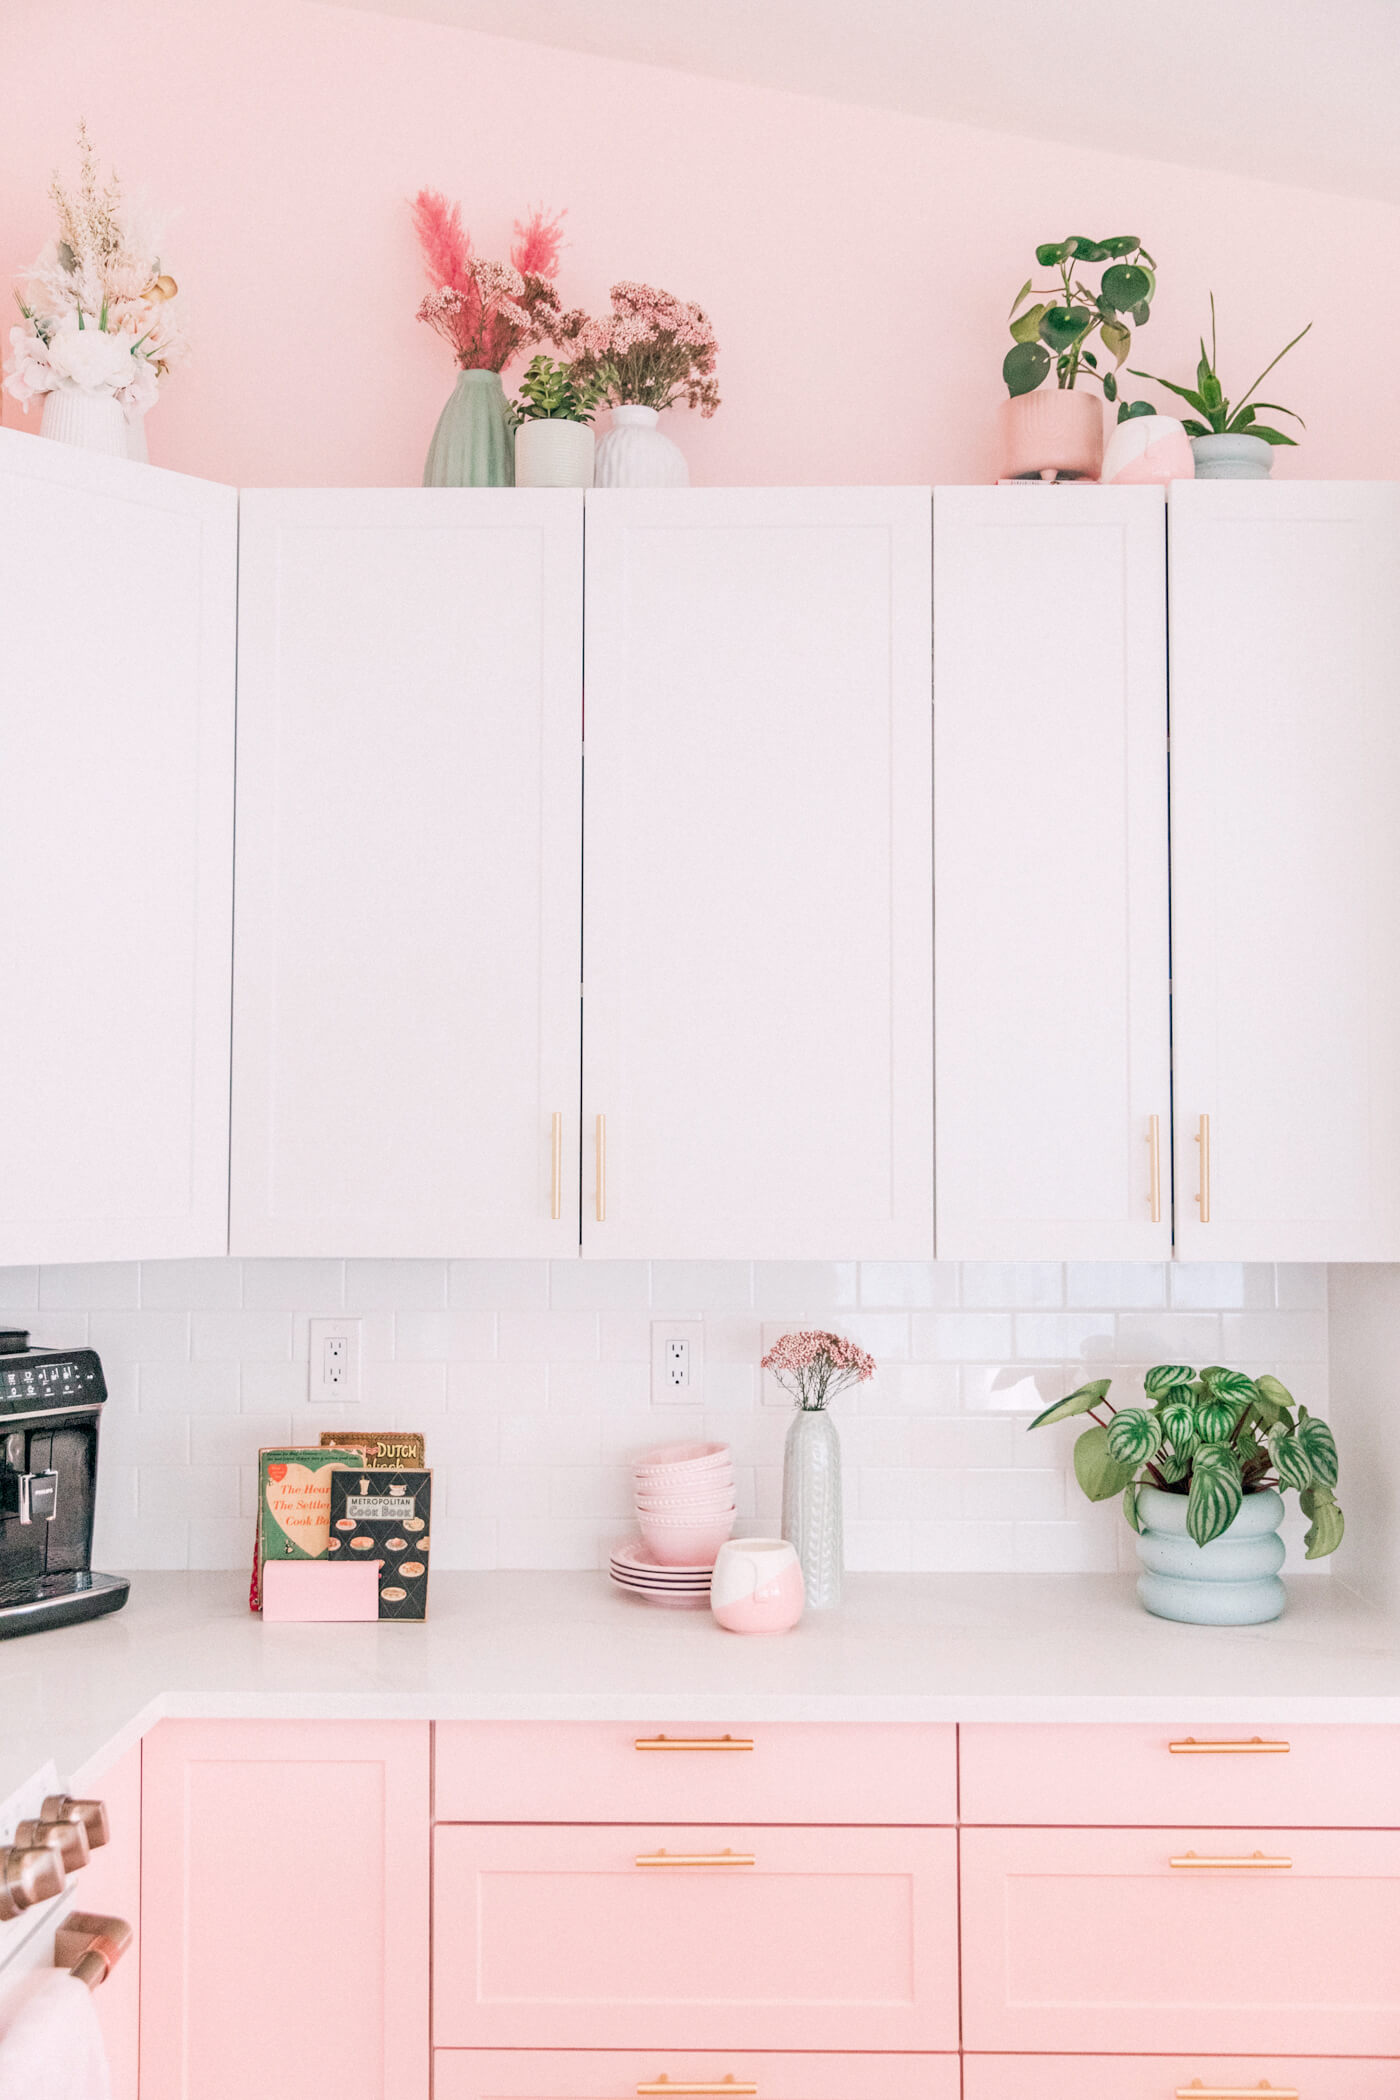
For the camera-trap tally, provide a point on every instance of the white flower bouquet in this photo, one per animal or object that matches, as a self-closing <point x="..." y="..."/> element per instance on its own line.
<point x="99" y="312"/>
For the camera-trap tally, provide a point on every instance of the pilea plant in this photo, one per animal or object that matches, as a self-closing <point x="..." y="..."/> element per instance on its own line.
<point x="1052" y="332"/>
<point x="1213" y="1436"/>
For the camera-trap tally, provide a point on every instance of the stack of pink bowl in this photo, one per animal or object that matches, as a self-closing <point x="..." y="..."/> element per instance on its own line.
<point x="685" y="1502"/>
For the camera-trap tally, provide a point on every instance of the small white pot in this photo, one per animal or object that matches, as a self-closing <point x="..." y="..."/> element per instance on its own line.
<point x="553" y="453"/>
<point x="636" y="455"/>
<point x="1232" y="457"/>
<point x="1233" y="1581"/>
<point x="94" y="421"/>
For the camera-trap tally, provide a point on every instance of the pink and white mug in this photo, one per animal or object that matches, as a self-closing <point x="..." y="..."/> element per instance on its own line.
<point x="757" y="1586"/>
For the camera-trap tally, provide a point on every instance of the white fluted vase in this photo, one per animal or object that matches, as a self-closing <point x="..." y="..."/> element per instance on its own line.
<point x="812" y="1504"/>
<point x="636" y="455"/>
<point x="94" y="421"/>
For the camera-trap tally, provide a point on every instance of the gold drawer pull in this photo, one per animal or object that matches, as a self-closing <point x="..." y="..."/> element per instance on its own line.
<point x="696" y="1859"/>
<point x="1197" y="2091"/>
<point x="664" y="2085"/>
<point x="693" y="1742"/>
<point x="1255" y="1747"/>
<point x="1254" y="1859"/>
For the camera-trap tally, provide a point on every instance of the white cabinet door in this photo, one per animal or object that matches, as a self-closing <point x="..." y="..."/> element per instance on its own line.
<point x="117" y="587"/>
<point x="406" y="1011"/>
<point x="758" y="916"/>
<point x="1050" y="829"/>
<point x="1285" y="703"/>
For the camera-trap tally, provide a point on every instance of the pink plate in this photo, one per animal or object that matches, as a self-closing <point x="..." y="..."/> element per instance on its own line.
<point x="636" y="1557"/>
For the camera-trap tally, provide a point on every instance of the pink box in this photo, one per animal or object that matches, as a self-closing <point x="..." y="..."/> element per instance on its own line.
<point x="320" y="1590"/>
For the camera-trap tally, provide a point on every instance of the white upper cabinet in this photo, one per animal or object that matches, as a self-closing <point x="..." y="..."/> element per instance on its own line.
<point x="1285" y="702"/>
<point x="758" y="873"/>
<point x="1050" y="772"/>
<point x="406" y="1012"/>
<point x="117" y="588"/>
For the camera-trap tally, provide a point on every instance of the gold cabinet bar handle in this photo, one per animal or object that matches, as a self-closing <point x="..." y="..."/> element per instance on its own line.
<point x="1203" y="1194"/>
<point x="1255" y="1747"/>
<point x="664" y="2085"/>
<point x="693" y="1742"/>
<point x="600" y="1168"/>
<point x="1154" y="1168"/>
<point x="1225" y="1860"/>
<point x="696" y="1859"/>
<point x="1197" y="2091"/>
<point x="556" y="1164"/>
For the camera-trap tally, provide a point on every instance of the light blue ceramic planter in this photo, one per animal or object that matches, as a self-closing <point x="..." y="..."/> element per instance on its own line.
<point x="1234" y="1581"/>
<point x="472" y="447"/>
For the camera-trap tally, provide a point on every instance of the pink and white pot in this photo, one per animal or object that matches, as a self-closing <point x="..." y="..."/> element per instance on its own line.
<point x="757" y="1586"/>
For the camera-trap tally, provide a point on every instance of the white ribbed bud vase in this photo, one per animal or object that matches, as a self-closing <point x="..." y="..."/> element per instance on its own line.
<point x="812" y="1504"/>
<point x="94" y="421"/>
<point x="636" y="455"/>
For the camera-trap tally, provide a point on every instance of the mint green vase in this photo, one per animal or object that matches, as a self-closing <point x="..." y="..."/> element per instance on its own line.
<point x="472" y="446"/>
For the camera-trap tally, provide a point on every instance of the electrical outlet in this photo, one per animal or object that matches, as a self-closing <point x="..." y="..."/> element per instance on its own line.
<point x="677" y="1362"/>
<point x="335" y="1363"/>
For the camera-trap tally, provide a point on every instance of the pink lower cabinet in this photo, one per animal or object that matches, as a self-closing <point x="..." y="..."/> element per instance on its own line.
<point x="1196" y="2077"/>
<point x="285" y="1871"/>
<point x="1140" y="1941"/>
<point x="707" y="1936"/>
<point x="524" y="2074"/>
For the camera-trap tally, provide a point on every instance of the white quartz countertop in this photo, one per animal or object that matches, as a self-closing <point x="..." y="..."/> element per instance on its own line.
<point x="566" y="1647"/>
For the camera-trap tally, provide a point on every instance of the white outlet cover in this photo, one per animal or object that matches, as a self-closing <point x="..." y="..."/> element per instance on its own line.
<point x="663" y="1392"/>
<point x="322" y="1389"/>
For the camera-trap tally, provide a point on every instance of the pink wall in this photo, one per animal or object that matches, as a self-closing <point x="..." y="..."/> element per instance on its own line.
<point x="858" y="265"/>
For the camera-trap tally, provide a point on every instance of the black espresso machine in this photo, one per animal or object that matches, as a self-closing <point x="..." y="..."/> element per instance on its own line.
<point x="50" y="1406"/>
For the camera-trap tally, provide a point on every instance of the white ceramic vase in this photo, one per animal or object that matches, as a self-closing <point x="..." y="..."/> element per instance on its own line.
<point x="136" y="439"/>
<point x="551" y="452"/>
<point x="1234" y="1581"/>
<point x="94" y="421"/>
<point x="636" y="455"/>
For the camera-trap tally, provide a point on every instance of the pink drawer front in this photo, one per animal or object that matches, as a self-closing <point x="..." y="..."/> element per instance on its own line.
<point x="1091" y="1940"/>
<point x="1316" y="1777"/>
<point x="1177" y="2078"/>
<point x="609" y="1772"/>
<point x="523" y="2074"/>
<point x="557" y="1938"/>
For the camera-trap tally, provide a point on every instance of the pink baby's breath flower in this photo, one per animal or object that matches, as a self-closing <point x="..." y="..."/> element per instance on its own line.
<point x="487" y="310"/>
<point x="815" y="1365"/>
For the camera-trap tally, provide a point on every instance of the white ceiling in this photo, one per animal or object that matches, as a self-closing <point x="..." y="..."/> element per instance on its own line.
<point x="1303" y="91"/>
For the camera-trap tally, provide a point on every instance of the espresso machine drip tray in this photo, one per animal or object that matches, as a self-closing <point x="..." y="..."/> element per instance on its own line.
<point x="58" y="1600"/>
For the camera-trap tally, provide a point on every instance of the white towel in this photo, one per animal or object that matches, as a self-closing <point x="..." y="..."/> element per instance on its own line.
<point x="50" y="2042"/>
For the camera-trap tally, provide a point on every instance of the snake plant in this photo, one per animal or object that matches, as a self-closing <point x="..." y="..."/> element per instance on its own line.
<point x="1213" y="1436"/>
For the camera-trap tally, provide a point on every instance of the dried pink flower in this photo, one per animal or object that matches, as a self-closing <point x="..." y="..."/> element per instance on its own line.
<point x="814" y="1365"/>
<point x="652" y="349"/>
<point x="488" y="311"/>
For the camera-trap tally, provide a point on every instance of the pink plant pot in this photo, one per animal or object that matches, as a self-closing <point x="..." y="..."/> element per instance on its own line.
<point x="1052" y="432"/>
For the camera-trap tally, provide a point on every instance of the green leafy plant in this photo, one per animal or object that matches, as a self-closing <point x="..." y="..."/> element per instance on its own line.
<point x="1213" y="1436"/>
<point x="554" y="392"/>
<point x="1052" y="332"/>
<point x="1220" y="417"/>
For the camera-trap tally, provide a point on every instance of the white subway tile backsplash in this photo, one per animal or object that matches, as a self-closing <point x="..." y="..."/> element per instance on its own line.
<point x="191" y="1286"/>
<point x="531" y="1380"/>
<point x="90" y="1285"/>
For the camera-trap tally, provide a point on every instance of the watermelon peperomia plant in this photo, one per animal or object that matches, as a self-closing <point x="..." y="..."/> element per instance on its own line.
<point x="1213" y="1436"/>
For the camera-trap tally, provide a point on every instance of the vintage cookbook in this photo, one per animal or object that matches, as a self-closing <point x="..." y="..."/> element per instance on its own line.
<point x="294" y="1507"/>
<point x="377" y="1447"/>
<point x="385" y="1514"/>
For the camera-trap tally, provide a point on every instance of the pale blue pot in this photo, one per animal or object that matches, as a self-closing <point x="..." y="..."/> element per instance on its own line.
<point x="1234" y="1581"/>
